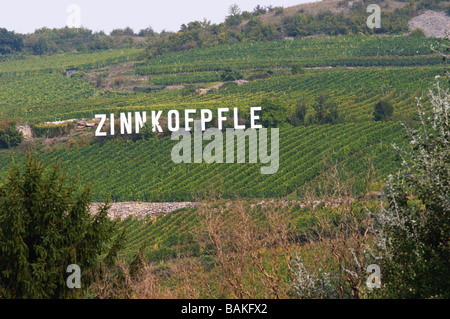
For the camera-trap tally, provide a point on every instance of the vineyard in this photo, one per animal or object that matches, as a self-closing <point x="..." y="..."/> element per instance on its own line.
<point x="60" y="63"/>
<point x="144" y="171"/>
<point x="398" y="69"/>
<point x="48" y="96"/>
<point x="311" y="52"/>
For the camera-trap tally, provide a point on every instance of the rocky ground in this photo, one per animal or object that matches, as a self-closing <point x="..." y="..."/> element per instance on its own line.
<point x="434" y="24"/>
<point x="141" y="210"/>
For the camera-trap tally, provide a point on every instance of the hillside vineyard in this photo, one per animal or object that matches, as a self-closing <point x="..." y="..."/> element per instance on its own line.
<point x="353" y="73"/>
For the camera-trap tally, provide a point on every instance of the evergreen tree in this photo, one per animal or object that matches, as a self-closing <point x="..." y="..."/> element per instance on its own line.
<point x="45" y="226"/>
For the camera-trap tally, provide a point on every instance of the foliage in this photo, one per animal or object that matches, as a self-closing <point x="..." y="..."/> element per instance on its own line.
<point x="9" y="136"/>
<point x="326" y="111"/>
<point x="274" y="113"/>
<point x="297" y="69"/>
<point x="230" y="75"/>
<point x="418" y="33"/>
<point x="51" y="41"/>
<point x="53" y="130"/>
<point x="10" y="42"/>
<point x="299" y="114"/>
<point x="46" y="225"/>
<point x="383" y="110"/>
<point x="340" y="244"/>
<point x="415" y="224"/>
<point x="332" y="24"/>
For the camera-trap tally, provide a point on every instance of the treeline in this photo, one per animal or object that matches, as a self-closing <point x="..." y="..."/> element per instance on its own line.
<point x="247" y="26"/>
<point x="53" y="41"/>
<point x="239" y="26"/>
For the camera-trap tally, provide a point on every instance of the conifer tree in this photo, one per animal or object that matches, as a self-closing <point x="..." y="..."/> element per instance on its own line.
<point x="45" y="226"/>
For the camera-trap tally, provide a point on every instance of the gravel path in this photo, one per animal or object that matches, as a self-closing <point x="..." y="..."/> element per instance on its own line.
<point x="141" y="210"/>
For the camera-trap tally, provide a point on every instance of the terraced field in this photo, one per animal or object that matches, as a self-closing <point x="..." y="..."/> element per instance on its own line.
<point x="57" y="63"/>
<point x="309" y="52"/>
<point x="45" y="97"/>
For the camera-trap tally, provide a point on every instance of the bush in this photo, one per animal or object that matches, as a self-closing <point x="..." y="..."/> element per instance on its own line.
<point x="297" y="69"/>
<point x="78" y="75"/>
<point x="45" y="226"/>
<point x="9" y="136"/>
<point x="139" y="89"/>
<point x="228" y="85"/>
<point x="415" y="225"/>
<point x="53" y="130"/>
<point x="418" y="33"/>
<point x="118" y="82"/>
<point x="383" y="111"/>
<point x="230" y="75"/>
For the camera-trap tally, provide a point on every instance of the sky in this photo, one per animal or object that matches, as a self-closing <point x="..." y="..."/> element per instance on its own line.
<point x="25" y="16"/>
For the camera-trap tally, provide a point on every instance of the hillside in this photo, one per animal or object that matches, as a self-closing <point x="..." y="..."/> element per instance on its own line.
<point x="351" y="189"/>
<point x="353" y="72"/>
<point x="333" y="6"/>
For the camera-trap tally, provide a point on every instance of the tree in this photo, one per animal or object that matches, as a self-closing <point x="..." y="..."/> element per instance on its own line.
<point x="259" y="10"/>
<point x="415" y="225"/>
<point x="273" y="113"/>
<point x="45" y="226"/>
<point x="234" y="10"/>
<point x="296" y="69"/>
<point x="40" y="47"/>
<point x="9" y="136"/>
<point x="230" y="75"/>
<point x="299" y="114"/>
<point x="10" y="42"/>
<point x="383" y="110"/>
<point x="123" y="32"/>
<point x="326" y="111"/>
<point x="234" y="18"/>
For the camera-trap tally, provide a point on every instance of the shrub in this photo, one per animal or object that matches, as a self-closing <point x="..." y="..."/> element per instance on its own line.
<point x="418" y="33"/>
<point x="383" y="111"/>
<point x="9" y="136"/>
<point x="298" y="116"/>
<point x="415" y="224"/>
<point x="297" y="69"/>
<point x="118" y="82"/>
<point x="230" y="75"/>
<point x="273" y="113"/>
<point x="53" y="130"/>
